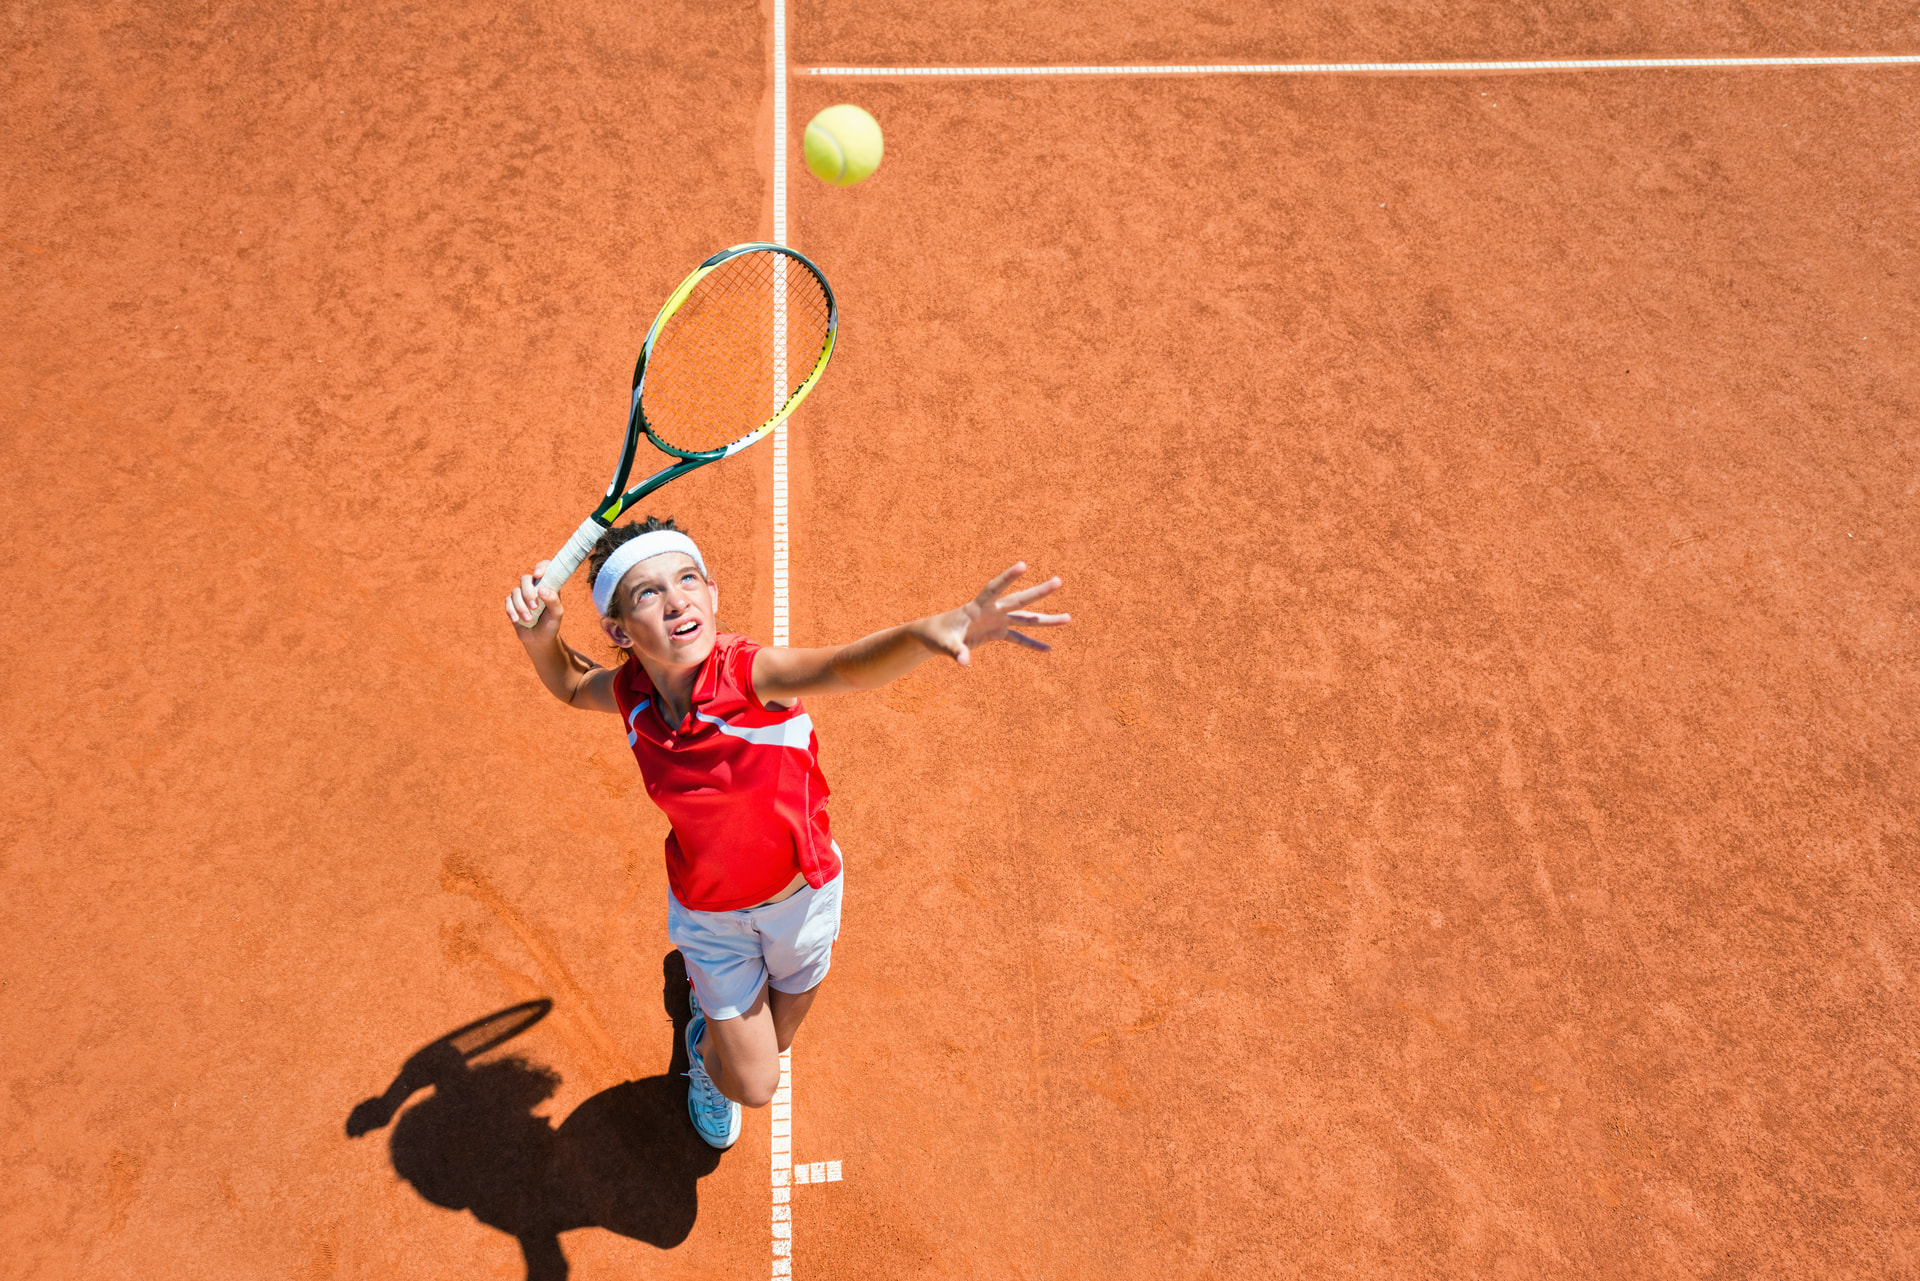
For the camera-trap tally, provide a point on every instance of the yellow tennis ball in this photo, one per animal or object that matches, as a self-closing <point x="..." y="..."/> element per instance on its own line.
<point x="842" y="145"/>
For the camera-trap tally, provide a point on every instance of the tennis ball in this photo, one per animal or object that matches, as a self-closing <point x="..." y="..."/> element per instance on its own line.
<point x="842" y="145"/>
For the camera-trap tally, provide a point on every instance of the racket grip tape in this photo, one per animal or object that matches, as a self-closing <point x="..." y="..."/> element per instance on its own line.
<point x="565" y="561"/>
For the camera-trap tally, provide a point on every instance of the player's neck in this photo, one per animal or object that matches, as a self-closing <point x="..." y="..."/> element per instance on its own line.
<point x="673" y="686"/>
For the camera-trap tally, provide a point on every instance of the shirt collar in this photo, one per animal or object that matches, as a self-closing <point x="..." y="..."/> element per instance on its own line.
<point x="706" y="686"/>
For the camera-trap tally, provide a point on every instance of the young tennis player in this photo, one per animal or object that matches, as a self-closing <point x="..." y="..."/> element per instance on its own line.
<point x="728" y="752"/>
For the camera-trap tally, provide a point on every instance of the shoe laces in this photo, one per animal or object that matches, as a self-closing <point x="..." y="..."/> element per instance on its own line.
<point x="707" y="1095"/>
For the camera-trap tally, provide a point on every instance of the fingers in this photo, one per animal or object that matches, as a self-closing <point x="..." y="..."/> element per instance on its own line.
<point x="526" y="602"/>
<point x="991" y="612"/>
<point x="1027" y="595"/>
<point x="999" y="584"/>
<point x="523" y="611"/>
<point x="519" y="601"/>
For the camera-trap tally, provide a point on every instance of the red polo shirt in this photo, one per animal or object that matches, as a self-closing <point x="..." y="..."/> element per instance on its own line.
<point x="739" y="781"/>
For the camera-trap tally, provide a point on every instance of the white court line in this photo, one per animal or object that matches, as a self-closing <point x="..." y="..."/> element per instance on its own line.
<point x="781" y="1112"/>
<point x="1381" y="68"/>
<point x="780" y="616"/>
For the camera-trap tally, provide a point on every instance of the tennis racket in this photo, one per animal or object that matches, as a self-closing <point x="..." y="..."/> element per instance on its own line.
<point x="436" y="1061"/>
<point x="738" y="346"/>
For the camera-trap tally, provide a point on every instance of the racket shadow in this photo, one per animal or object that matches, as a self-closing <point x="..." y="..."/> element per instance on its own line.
<point x="626" y="1161"/>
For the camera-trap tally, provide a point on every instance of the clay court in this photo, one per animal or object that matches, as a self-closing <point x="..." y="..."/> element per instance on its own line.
<point x="1470" y="829"/>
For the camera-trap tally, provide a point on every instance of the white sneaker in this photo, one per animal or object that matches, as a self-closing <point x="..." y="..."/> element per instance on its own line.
<point x="715" y="1116"/>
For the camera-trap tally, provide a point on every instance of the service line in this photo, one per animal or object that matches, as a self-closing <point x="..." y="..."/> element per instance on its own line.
<point x="1377" y="68"/>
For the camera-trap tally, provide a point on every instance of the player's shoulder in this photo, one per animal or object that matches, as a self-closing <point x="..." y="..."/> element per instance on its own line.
<point x="733" y="658"/>
<point x="733" y="655"/>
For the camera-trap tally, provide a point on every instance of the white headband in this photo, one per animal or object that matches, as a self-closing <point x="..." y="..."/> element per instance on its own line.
<point x="630" y="553"/>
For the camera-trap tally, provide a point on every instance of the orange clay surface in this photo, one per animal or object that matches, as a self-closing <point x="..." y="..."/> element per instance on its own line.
<point x="1470" y="829"/>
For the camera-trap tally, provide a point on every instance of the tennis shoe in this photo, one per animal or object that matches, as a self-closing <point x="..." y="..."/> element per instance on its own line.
<point x="715" y="1116"/>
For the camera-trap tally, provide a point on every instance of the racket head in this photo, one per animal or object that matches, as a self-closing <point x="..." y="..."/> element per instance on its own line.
<point x="481" y="1035"/>
<point x="735" y="349"/>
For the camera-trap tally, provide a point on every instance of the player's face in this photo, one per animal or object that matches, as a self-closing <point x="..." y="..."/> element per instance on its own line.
<point x="666" y="611"/>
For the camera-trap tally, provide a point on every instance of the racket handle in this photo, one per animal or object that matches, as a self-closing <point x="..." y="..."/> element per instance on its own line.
<point x="565" y="561"/>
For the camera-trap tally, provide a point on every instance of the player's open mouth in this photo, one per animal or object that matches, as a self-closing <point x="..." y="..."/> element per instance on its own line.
<point x="687" y="630"/>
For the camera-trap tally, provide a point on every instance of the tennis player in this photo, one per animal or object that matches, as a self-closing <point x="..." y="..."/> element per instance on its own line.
<point x="728" y="752"/>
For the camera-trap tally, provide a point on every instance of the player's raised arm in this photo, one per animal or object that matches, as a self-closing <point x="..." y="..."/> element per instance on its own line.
<point x="569" y="675"/>
<point x="781" y="675"/>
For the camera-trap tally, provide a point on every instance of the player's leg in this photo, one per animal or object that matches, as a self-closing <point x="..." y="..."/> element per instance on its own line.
<point x="743" y="1055"/>
<point x="722" y="955"/>
<point x="796" y="944"/>
<point x="789" y="1008"/>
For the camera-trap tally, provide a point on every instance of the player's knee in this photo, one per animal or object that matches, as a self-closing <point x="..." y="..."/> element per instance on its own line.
<point x="757" y="1088"/>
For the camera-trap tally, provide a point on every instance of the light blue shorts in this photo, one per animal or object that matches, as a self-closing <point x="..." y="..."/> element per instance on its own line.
<point x="730" y="955"/>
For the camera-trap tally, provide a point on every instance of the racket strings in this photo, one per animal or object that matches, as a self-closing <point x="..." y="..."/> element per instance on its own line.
<point x="715" y="374"/>
<point x="731" y="380"/>
<point x="497" y="1029"/>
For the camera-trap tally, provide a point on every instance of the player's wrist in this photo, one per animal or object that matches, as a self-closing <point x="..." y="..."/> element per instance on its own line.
<point x="541" y="641"/>
<point x="940" y="633"/>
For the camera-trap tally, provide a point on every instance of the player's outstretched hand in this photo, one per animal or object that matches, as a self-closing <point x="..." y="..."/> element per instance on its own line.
<point x="990" y="616"/>
<point x="520" y="606"/>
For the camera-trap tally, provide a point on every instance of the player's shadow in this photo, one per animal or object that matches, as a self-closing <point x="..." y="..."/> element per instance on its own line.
<point x="627" y="1160"/>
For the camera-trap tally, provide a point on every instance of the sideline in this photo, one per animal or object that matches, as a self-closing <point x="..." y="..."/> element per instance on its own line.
<point x="781" y="1111"/>
<point x="1369" y="68"/>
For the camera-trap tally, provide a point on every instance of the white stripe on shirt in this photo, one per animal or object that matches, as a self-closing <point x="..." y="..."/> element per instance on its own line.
<point x="795" y="732"/>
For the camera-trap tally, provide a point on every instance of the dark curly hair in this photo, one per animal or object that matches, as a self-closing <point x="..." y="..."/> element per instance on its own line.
<point x="623" y="534"/>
